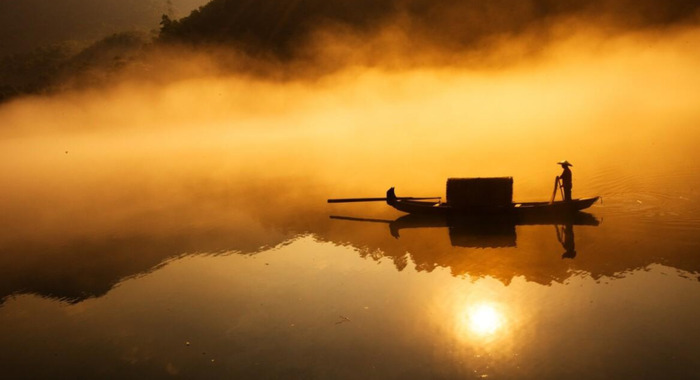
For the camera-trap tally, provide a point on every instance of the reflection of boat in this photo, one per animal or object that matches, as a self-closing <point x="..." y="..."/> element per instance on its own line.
<point x="523" y="209"/>
<point x="480" y="231"/>
<point x="577" y="218"/>
<point x="487" y="231"/>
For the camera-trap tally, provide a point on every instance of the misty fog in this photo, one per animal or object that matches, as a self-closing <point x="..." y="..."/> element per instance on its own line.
<point x="197" y="130"/>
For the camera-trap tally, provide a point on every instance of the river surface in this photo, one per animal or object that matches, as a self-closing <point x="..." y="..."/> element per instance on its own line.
<point x="146" y="237"/>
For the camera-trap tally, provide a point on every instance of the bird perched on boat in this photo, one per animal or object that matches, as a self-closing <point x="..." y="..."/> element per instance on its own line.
<point x="565" y="178"/>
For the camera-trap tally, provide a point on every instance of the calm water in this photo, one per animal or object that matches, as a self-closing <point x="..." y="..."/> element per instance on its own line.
<point x="197" y="244"/>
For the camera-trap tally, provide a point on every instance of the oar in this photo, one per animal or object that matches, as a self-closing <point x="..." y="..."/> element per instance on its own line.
<point x="348" y="200"/>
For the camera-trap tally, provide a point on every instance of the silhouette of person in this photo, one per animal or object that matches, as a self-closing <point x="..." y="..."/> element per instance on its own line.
<point x="565" y="235"/>
<point x="565" y="178"/>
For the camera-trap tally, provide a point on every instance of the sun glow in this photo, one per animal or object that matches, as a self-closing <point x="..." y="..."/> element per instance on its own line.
<point x="484" y="320"/>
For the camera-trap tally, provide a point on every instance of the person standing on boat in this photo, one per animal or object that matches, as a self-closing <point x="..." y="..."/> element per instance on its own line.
<point x="565" y="178"/>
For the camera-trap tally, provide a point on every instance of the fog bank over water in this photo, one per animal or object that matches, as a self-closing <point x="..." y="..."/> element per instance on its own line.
<point x="607" y="70"/>
<point x="639" y="90"/>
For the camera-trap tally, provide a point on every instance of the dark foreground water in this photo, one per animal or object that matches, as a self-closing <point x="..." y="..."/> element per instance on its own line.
<point x="158" y="252"/>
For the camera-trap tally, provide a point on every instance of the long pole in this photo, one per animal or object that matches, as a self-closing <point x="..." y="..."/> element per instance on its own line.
<point x="554" y="192"/>
<point x="348" y="200"/>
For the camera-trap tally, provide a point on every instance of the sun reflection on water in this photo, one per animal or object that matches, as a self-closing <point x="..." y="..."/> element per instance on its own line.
<point x="484" y="320"/>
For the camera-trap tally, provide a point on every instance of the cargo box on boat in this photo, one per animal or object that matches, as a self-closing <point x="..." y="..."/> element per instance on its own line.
<point x="480" y="193"/>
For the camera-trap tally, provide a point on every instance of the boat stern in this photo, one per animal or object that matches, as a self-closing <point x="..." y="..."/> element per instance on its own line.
<point x="391" y="197"/>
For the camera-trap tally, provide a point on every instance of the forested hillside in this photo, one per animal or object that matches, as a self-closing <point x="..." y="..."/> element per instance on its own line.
<point x="46" y="38"/>
<point x="280" y="26"/>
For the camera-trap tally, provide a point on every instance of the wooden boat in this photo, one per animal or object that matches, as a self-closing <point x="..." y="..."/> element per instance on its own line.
<point x="436" y="207"/>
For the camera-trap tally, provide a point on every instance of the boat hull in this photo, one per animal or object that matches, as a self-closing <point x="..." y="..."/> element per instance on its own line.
<point x="524" y="209"/>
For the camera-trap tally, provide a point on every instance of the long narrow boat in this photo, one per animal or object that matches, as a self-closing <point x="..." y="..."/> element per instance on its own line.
<point x="436" y="207"/>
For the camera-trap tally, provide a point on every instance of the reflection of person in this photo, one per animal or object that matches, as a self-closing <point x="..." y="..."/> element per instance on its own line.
<point x="565" y="178"/>
<point x="565" y="235"/>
